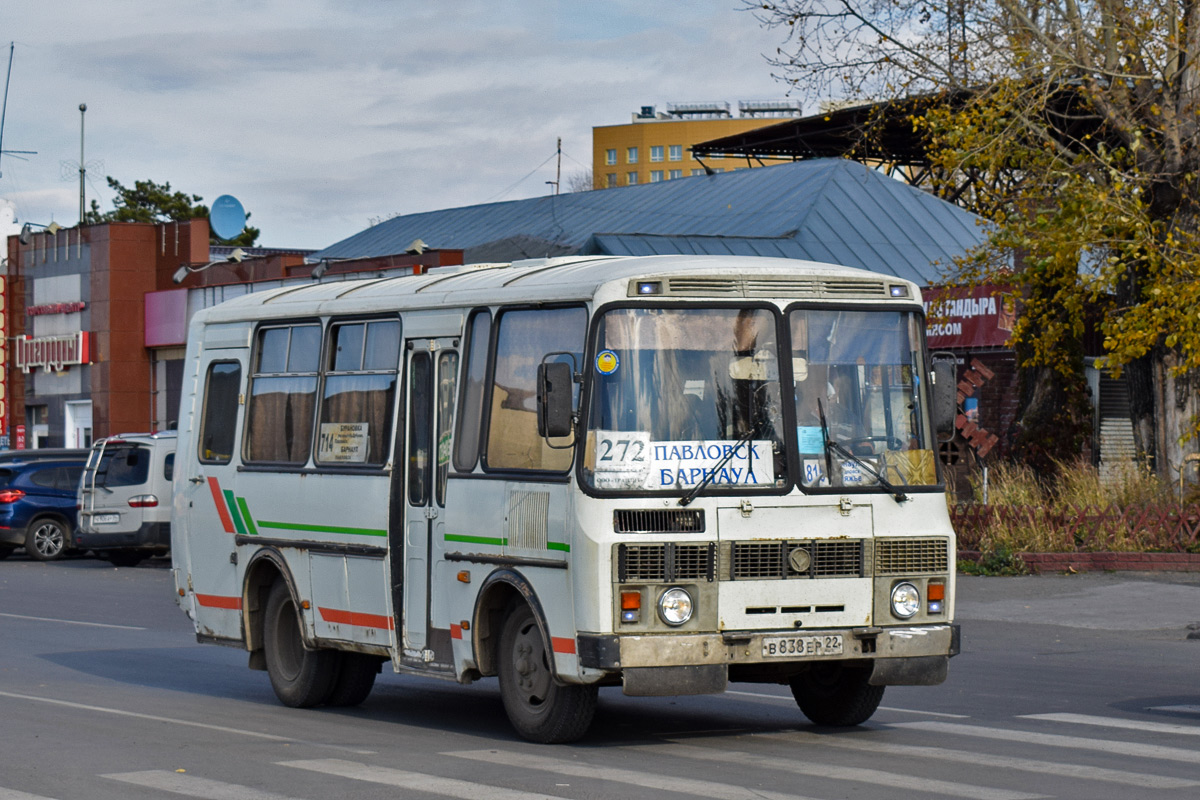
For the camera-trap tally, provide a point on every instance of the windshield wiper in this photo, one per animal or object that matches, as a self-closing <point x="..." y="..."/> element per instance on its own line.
<point x="708" y="475"/>
<point x="832" y="446"/>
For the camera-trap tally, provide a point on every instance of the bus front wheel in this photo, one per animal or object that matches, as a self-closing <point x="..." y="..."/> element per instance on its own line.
<point x="540" y="709"/>
<point x="301" y="678"/>
<point x="836" y="695"/>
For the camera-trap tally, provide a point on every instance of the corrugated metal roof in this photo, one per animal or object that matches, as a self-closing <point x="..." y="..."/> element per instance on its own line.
<point x="830" y="210"/>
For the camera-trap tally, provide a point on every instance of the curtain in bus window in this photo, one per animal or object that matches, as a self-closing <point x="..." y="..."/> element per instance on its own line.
<point x="359" y="396"/>
<point x="219" y="419"/>
<point x="525" y="338"/>
<point x="280" y="419"/>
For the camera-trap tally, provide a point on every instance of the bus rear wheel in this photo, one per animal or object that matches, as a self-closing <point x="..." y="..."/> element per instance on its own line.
<point x="355" y="678"/>
<point x="540" y="709"/>
<point x="836" y="695"/>
<point x="301" y="678"/>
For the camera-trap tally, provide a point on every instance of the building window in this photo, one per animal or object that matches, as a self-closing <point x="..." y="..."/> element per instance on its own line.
<point x="696" y="172"/>
<point x="610" y="179"/>
<point x="631" y="155"/>
<point x="675" y="153"/>
<point x="631" y="179"/>
<point x="610" y="156"/>
<point x="656" y="152"/>
<point x="718" y="169"/>
<point x="656" y="176"/>
<point x="676" y="174"/>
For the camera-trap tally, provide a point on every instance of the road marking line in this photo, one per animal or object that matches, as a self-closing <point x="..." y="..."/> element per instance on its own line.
<point x="413" y="781"/>
<point x="1116" y="722"/>
<point x="840" y="773"/>
<point x="13" y="794"/>
<point x="789" y="700"/>
<point x="1057" y="769"/>
<point x="194" y="786"/>
<point x="74" y="622"/>
<point x="664" y="783"/>
<point x="1058" y="740"/>
<point x="1177" y="709"/>
<point x="174" y="721"/>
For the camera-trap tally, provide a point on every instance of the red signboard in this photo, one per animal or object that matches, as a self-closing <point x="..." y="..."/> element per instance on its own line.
<point x="18" y="437"/>
<point x="980" y="316"/>
<point x="52" y="352"/>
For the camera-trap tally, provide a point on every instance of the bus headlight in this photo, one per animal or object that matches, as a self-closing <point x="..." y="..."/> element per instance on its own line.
<point x="675" y="606"/>
<point x="906" y="600"/>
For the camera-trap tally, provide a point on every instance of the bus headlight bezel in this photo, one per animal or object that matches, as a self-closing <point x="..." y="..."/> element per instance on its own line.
<point x="906" y="600"/>
<point x="675" y="606"/>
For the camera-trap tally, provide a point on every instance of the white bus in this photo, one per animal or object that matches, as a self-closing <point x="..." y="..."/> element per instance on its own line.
<point x="662" y="473"/>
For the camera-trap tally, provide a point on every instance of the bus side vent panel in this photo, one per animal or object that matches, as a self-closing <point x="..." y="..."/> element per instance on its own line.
<point x="638" y="520"/>
<point x="907" y="556"/>
<point x="528" y="519"/>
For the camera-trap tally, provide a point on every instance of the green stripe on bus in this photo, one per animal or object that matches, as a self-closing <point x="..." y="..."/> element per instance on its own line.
<point x="233" y="511"/>
<point x="295" y="526"/>
<point x="241" y="501"/>
<point x="566" y="548"/>
<point x="454" y="537"/>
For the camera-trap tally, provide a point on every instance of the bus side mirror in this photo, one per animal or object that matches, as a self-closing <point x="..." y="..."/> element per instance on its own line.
<point x="945" y="396"/>
<point x="555" y="384"/>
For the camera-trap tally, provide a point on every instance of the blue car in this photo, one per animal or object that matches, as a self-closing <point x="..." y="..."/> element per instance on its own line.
<point x="38" y="509"/>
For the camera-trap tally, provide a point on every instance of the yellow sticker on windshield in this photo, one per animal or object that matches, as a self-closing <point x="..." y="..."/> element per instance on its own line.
<point x="607" y="362"/>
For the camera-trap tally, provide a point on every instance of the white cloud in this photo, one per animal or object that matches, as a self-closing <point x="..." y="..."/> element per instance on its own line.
<point x="319" y="115"/>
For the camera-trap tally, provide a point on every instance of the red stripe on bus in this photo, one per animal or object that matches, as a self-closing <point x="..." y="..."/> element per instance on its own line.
<point x="222" y="511"/>
<point x="219" y="601"/>
<point x="561" y="645"/>
<point x="356" y="618"/>
<point x="455" y="631"/>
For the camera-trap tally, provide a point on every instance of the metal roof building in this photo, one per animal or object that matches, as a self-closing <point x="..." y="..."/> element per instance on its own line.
<point x="829" y="210"/>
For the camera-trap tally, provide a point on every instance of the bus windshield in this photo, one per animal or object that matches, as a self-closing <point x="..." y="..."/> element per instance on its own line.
<point x="859" y="414"/>
<point x="686" y="396"/>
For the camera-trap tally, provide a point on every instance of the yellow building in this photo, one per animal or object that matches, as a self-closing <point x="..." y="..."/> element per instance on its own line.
<point x="656" y="146"/>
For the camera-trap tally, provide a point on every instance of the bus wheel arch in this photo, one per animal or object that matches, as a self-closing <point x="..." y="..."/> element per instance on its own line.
<point x="496" y="596"/>
<point x="266" y="566"/>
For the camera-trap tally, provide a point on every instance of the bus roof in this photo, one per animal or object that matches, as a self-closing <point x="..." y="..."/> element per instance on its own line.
<point x="563" y="279"/>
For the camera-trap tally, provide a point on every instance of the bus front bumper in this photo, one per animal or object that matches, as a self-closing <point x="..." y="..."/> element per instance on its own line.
<point x="699" y="663"/>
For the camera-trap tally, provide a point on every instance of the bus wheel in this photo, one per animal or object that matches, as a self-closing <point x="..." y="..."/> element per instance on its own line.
<point x="836" y="695"/>
<point x="355" y="678"/>
<point x="540" y="709"/>
<point x="301" y="678"/>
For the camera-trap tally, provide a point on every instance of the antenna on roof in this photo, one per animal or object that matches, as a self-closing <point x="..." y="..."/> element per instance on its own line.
<point x="4" y="109"/>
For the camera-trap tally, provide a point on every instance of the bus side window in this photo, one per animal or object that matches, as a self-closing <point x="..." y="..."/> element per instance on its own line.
<point x="283" y="394"/>
<point x="524" y="338"/>
<point x="360" y="391"/>
<point x="466" y="448"/>
<point x="219" y="417"/>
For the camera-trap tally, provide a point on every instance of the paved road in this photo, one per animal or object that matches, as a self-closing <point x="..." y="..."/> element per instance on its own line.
<point x="1069" y="687"/>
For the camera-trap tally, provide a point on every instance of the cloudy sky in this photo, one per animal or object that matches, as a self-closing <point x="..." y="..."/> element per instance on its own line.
<point x="321" y="115"/>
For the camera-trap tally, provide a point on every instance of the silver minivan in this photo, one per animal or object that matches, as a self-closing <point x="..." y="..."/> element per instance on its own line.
<point x="125" y="497"/>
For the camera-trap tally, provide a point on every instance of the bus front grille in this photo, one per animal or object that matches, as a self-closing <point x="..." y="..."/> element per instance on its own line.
<point x="906" y="556"/>
<point x="649" y="520"/>
<point x="778" y="560"/>
<point x="666" y="562"/>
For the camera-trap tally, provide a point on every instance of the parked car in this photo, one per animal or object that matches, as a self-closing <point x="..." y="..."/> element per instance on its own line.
<point x="38" y="506"/>
<point x="125" y="497"/>
<point x="43" y="453"/>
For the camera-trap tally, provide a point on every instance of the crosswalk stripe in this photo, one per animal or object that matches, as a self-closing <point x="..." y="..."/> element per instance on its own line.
<point x="193" y="786"/>
<point x="1058" y="740"/>
<point x="13" y="794"/>
<point x="1117" y="722"/>
<point x="854" y="773"/>
<point x="1055" y="768"/>
<point x="665" y="783"/>
<point x="414" y="781"/>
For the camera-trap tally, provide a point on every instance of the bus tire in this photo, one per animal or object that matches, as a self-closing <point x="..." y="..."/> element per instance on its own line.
<point x="355" y="678"/>
<point x="836" y="695"/>
<point x="301" y="678"/>
<point x="540" y="709"/>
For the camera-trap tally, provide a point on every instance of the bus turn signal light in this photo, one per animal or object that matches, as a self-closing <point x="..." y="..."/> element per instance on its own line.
<point x="631" y="606"/>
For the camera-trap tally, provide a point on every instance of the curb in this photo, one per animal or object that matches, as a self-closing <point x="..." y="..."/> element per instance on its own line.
<point x="1102" y="562"/>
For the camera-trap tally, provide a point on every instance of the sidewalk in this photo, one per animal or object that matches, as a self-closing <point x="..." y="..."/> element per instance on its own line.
<point x="1133" y="601"/>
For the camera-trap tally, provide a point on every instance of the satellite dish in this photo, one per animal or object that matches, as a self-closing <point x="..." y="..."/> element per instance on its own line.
<point x="227" y="218"/>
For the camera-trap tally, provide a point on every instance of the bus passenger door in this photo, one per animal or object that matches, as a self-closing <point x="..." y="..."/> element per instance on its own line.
<point x="432" y="375"/>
